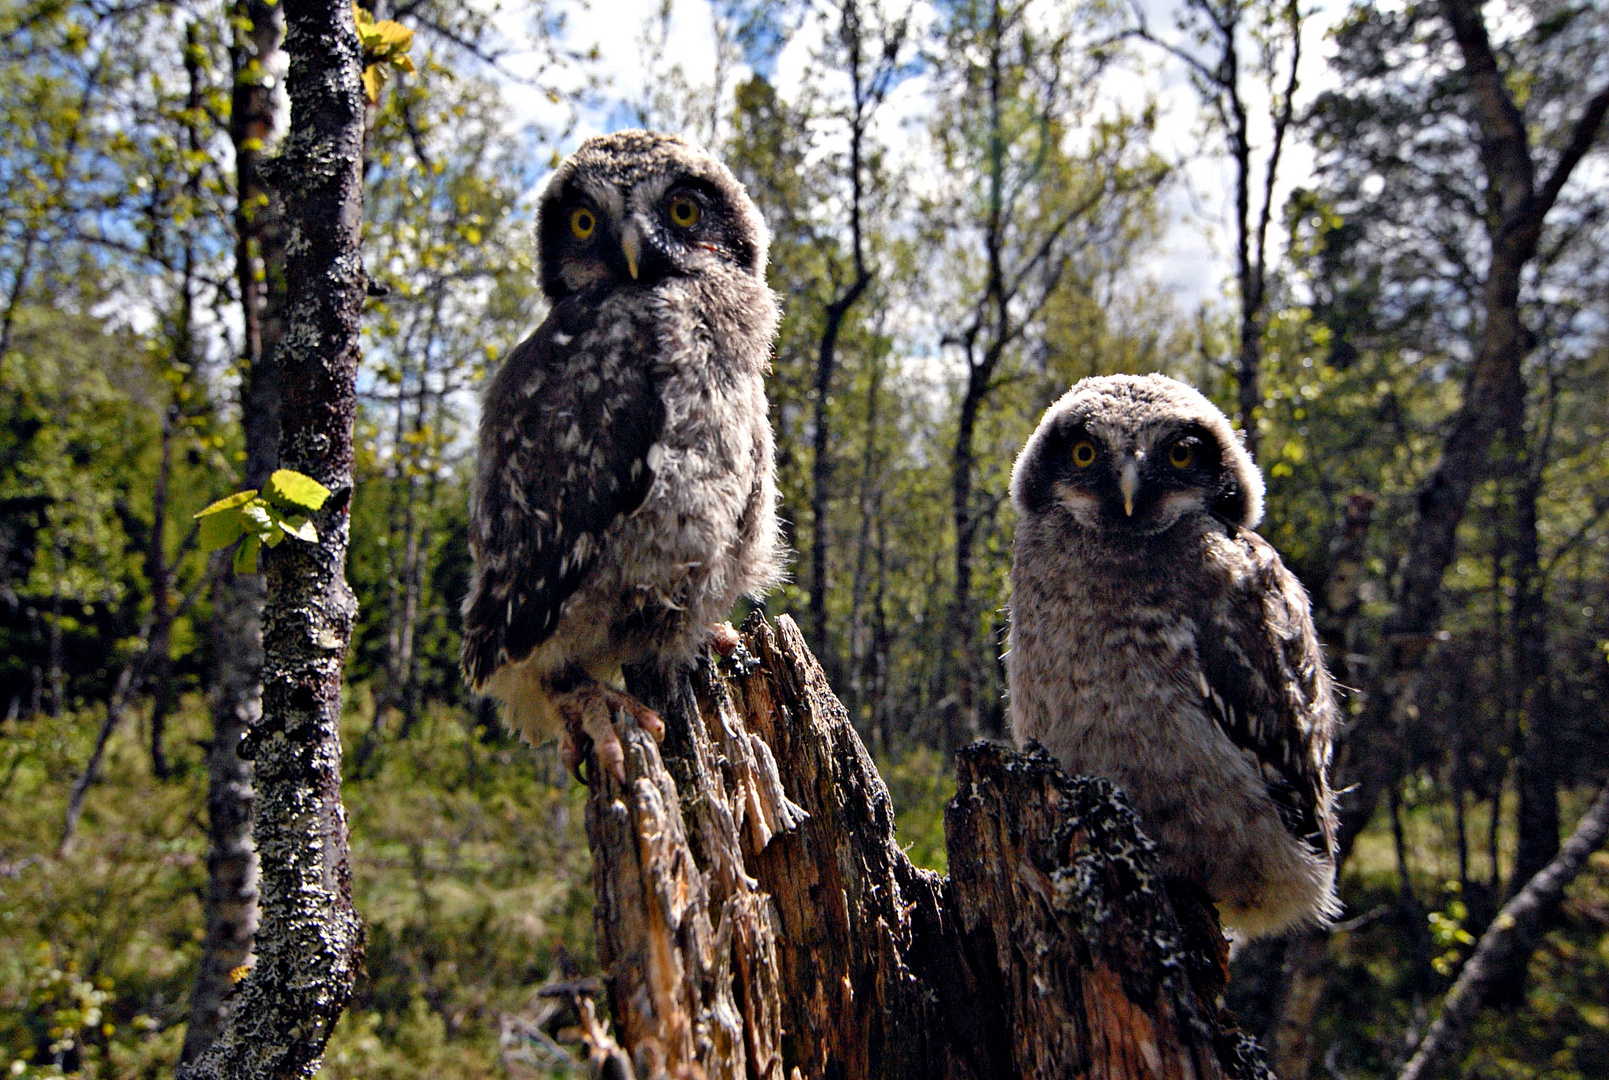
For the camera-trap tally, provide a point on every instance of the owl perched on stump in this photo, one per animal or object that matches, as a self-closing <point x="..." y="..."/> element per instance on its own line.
<point x="1158" y="641"/>
<point x="624" y="495"/>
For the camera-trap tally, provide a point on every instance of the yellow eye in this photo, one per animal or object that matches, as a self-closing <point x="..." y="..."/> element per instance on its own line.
<point x="1084" y="454"/>
<point x="583" y="223"/>
<point x="684" y="211"/>
<point x="1182" y="455"/>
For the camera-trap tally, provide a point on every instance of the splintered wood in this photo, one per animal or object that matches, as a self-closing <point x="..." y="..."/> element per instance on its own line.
<point x="756" y="917"/>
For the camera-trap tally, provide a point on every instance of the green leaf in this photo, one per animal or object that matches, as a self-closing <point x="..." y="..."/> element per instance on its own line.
<point x="300" y="528"/>
<point x="394" y="34"/>
<point x="228" y="503"/>
<point x="246" y="555"/>
<point x="373" y="76"/>
<point x="290" y="488"/>
<point x="256" y="518"/>
<point x="220" y="529"/>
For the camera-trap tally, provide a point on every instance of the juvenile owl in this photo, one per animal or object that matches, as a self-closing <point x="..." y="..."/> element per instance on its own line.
<point x="624" y="494"/>
<point x="1159" y="642"/>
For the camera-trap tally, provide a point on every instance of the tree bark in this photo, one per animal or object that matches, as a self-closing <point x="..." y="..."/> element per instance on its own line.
<point x="230" y="902"/>
<point x="310" y="940"/>
<point x="757" y="917"/>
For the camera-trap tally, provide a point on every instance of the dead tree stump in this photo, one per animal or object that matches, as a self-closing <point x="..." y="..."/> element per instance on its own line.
<point x="757" y="919"/>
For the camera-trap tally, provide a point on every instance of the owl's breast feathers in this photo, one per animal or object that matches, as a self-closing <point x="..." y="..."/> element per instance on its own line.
<point x="1266" y="687"/>
<point x="567" y="431"/>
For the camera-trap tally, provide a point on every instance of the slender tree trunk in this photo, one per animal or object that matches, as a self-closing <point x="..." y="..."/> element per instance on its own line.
<point x="159" y="570"/>
<point x="870" y="501"/>
<point x="1408" y="910"/>
<point x="230" y="902"/>
<point x="994" y="324"/>
<point x="1494" y="824"/>
<point x="398" y="504"/>
<point x="128" y="679"/>
<point x="54" y="653"/>
<point x="864" y="101"/>
<point x="412" y="555"/>
<point x="959" y="659"/>
<point x="159" y="574"/>
<point x="1536" y="769"/>
<point x="310" y="939"/>
<point x="881" y="644"/>
<point x="1536" y="778"/>
<point x="1461" y="823"/>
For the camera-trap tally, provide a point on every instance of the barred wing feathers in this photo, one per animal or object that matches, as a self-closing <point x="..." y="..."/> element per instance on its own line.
<point x="1266" y="687"/>
<point x="566" y="433"/>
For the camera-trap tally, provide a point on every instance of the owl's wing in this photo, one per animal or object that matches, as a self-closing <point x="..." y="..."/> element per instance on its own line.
<point x="567" y="428"/>
<point x="1265" y="685"/>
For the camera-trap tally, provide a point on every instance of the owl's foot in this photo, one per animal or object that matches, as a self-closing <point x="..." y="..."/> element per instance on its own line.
<point x="589" y="709"/>
<point x="728" y="645"/>
<point x="724" y="638"/>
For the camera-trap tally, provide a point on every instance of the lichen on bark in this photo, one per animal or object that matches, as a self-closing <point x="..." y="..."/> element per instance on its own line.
<point x="310" y="939"/>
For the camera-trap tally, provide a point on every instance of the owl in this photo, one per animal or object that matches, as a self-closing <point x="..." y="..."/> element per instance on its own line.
<point x="624" y="494"/>
<point x="1158" y="641"/>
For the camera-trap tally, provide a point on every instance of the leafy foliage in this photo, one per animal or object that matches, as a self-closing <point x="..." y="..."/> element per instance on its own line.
<point x="385" y="44"/>
<point x="265" y="518"/>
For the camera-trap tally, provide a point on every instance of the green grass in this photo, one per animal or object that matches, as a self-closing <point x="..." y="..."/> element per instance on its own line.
<point x="469" y="865"/>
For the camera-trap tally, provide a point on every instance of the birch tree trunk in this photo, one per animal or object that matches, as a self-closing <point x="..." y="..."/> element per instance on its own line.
<point x="757" y="917"/>
<point x="310" y="940"/>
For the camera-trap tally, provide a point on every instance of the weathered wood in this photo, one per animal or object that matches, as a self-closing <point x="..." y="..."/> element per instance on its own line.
<point x="757" y="918"/>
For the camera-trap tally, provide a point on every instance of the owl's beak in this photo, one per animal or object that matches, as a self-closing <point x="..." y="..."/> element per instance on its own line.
<point x="631" y="248"/>
<point x="1128" y="482"/>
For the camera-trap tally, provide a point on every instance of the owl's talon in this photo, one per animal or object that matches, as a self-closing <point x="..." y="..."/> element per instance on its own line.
<point x="590" y="712"/>
<point x="725" y="639"/>
<point x="732" y="658"/>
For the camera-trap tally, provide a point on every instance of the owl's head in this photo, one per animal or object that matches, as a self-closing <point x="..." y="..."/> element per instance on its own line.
<point x="640" y="206"/>
<point x="1132" y="454"/>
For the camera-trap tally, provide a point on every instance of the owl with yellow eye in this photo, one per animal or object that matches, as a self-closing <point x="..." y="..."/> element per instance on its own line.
<point x="1156" y="640"/>
<point x="624" y="495"/>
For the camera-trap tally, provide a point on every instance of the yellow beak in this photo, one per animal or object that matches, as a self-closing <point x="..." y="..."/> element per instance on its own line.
<point x="1129" y="483"/>
<point x="631" y="247"/>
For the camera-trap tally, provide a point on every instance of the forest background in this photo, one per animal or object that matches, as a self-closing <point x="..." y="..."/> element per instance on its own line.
<point x="1373" y="234"/>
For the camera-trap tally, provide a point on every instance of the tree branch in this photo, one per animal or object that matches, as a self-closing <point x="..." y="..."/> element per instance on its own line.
<point x="1582" y="136"/>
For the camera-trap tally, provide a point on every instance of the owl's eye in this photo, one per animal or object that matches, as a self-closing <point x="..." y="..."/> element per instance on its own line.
<point x="1183" y="454"/>
<point x="583" y="223"/>
<point x="684" y="211"/>
<point x="1084" y="454"/>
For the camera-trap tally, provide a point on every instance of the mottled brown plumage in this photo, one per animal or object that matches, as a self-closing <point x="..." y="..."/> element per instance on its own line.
<point x="1158" y="641"/>
<point x="624" y="495"/>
